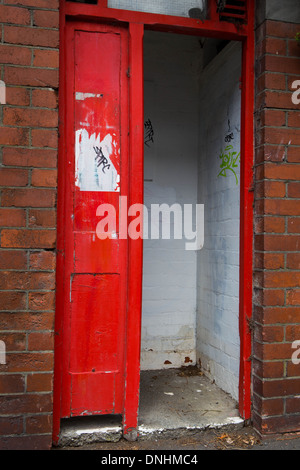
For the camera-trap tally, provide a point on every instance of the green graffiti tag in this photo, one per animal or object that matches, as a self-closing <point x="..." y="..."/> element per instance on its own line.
<point x="229" y="162"/>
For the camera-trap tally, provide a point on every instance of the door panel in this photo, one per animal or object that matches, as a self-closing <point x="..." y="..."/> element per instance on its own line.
<point x="97" y="173"/>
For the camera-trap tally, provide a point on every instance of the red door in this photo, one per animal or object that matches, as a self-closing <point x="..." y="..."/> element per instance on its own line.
<point x="95" y="269"/>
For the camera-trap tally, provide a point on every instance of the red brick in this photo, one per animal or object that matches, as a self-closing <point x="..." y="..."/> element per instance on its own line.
<point x="26" y="321"/>
<point x="12" y="300"/>
<point x="14" y="54"/>
<point x="47" y="19"/>
<point x="15" y="15"/>
<point x="44" y="178"/>
<point x="282" y="279"/>
<point x="274" y="224"/>
<point x="272" y="334"/>
<point x="270" y="297"/>
<point x="282" y="136"/>
<point x="30" y="117"/>
<point x="293" y="155"/>
<point x="276" y="351"/>
<point x="13" y="259"/>
<point x="11" y="238"/>
<point x="38" y="424"/>
<point x="14" y="136"/>
<point x="273" y="261"/>
<point x="12" y="425"/>
<point x="42" y="341"/>
<point x="282" y="172"/>
<point x="10" y="280"/>
<point x="14" y="383"/>
<point x="31" y="36"/>
<point x="275" y="46"/>
<point x="44" y="138"/>
<point x="282" y="64"/>
<point x="274" y="99"/>
<point x="293" y="297"/>
<point x="13" y="177"/>
<point x="271" y="81"/>
<point x="294" y="190"/>
<point x="293" y="405"/>
<point x="46" y="58"/>
<point x="277" y="242"/>
<point x="47" y="4"/>
<point x="44" y="98"/>
<point x="281" y="30"/>
<point x="268" y="369"/>
<point x="41" y="301"/>
<point x="31" y="76"/>
<point x="44" y="158"/>
<point x="27" y="403"/>
<point x="17" y="96"/>
<point x="293" y="48"/>
<point x="293" y="370"/>
<point x="278" y="314"/>
<point x="273" y="117"/>
<point x="42" y="260"/>
<point x="270" y="153"/>
<point x="39" y="382"/>
<point x="293" y="260"/>
<point x="29" y="362"/>
<point x="272" y="407"/>
<point x="42" y="218"/>
<point x="28" y="197"/>
<point x="12" y="218"/>
<point x="282" y="207"/>
<point x="294" y="119"/>
<point x="292" y="333"/>
<point x="274" y="189"/>
<point x="294" y="225"/>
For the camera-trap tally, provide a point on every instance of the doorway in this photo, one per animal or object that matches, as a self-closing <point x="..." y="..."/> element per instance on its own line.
<point x="204" y="326"/>
<point x="190" y="339"/>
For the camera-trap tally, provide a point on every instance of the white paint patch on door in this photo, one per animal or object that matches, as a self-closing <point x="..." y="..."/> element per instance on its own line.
<point x="94" y="170"/>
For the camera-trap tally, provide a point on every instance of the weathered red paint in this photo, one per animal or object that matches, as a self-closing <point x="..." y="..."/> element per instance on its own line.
<point x="103" y="268"/>
<point x="95" y="271"/>
<point x="246" y="215"/>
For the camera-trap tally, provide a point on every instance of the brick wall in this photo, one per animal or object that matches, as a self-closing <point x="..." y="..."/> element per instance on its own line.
<point x="276" y="380"/>
<point x="28" y="158"/>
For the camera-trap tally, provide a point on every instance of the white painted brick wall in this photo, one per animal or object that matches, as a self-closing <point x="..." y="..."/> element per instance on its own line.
<point x="169" y="284"/>
<point x="218" y="262"/>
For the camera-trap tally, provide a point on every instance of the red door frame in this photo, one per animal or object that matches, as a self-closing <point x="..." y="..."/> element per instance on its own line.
<point x="136" y="22"/>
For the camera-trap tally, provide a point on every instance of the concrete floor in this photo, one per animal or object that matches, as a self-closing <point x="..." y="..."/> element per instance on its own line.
<point x="173" y="403"/>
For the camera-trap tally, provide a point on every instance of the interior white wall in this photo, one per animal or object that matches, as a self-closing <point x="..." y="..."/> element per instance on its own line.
<point x="191" y="299"/>
<point x="218" y="345"/>
<point x="169" y="282"/>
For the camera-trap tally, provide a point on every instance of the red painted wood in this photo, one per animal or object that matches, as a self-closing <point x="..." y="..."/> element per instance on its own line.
<point x="95" y="271"/>
<point x="246" y="220"/>
<point x="135" y="266"/>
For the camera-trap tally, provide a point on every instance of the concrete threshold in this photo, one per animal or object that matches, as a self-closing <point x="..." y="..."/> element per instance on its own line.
<point x="173" y="403"/>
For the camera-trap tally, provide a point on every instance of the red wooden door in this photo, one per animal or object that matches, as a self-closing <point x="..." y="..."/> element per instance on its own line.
<point x="95" y="277"/>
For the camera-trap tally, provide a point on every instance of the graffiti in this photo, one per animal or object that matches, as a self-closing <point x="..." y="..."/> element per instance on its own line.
<point x="229" y="137"/>
<point x="229" y="162"/>
<point x="101" y="159"/>
<point x="149" y="132"/>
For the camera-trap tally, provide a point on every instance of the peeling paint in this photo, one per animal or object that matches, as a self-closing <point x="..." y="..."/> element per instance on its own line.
<point x="83" y="96"/>
<point x="89" y="174"/>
